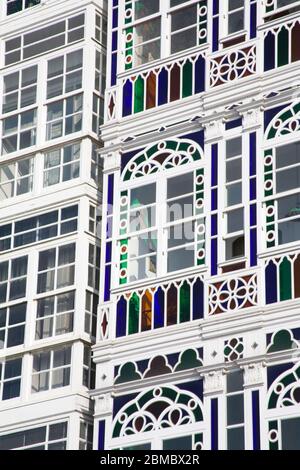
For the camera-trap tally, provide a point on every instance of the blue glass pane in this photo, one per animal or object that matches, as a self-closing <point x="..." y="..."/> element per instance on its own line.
<point x="121" y="318"/>
<point x="113" y="78"/>
<point x="214" y="424"/>
<point x="198" y="300"/>
<point x="127" y="98"/>
<point x="215" y="34"/>
<point x="253" y="189"/>
<point x="214" y="170"/>
<point x="107" y="283"/>
<point x="269" y="52"/>
<point x="214" y="257"/>
<point x="200" y="75"/>
<point x="253" y="154"/>
<point x="214" y="225"/>
<point x="163" y="87"/>
<point x="256" y="420"/>
<point x="114" y="40"/>
<point x="271" y="283"/>
<point x="108" y="252"/>
<point x="253" y="247"/>
<point x="159" y="305"/>
<point x="253" y="21"/>
<point x="253" y="215"/>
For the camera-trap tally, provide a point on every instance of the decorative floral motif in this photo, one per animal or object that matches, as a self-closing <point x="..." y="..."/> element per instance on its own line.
<point x="234" y="349"/>
<point x="285" y="123"/>
<point x="163" y="156"/>
<point x="233" y="66"/>
<point x="233" y="294"/>
<point x="157" y="409"/>
<point x="285" y="391"/>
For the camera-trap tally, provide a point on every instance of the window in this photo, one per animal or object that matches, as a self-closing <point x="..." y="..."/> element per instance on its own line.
<point x="235" y="411"/>
<point x="56" y="268"/>
<point x="89" y="369"/>
<point x="12" y="325"/>
<point x="61" y="165"/>
<point x="91" y="305"/>
<point x="10" y="379"/>
<point x="94" y="267"/>
<point x="51" y="369"/>
<point x="13" y="277"/>
<point x="44" y="40"/>
<point x="100" y="29"/>
<point x="55" y="315"/>
<point x="234" y="212"/>
<point x="64" y="117"/>
<point x="86" y="436"/>
<point x="50" y="437"/>
<point x="100" y="72"/>
<point x="155" y="29"/>
<point x="177" y="232"/>
<point x="19" y="131"/>
<point x="14" y="6"/>
<point x="286" y="208"/>
<point x="236" y="16"/>
<point x="16" y="178"/>
<point x="95" y="219"/>
<point x="42" y="227"/>
<point x="98" y="113"/>
<point x="184" y="27"/>
<point x="96" y="166"/>
<point x="19" y="89"/>
<point x="64" y="74"/>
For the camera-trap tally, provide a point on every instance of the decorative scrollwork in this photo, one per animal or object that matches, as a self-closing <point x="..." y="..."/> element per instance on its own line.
<point x="156" y="409"/>
<point x="233" y="66"/>
<point x="285" y="391"/>
<point x="233" y="294"/>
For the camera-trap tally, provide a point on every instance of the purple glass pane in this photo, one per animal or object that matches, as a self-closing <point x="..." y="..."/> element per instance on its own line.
<point x="253" y="21"/>
<point x="256" y="420"/>
<point x="271" y="283"/>
<point x="110" y="194"/>
<point x="108" y="252"/>
<point x="214" y="200"/>
<point x="215" y="34"/>
<point x="233" y="124"/>
<point x="198" y="300"/>
<point x="253" y="154"/>
<point x="115" y="3"/>
<point x="214" y="169"/>
<point x="121" y="318"/>
<point x="101" y="436"/>
<point x="127" y="98"/>
<point x="115" y="18"/>
<point x="200" y="75"/>
<point x="253" y="189"/>
<point x="214" y="225"/>
<point x="214" y="424"/>
<point x="253" y="215"/>
<point x="253" y="247"/>
<point x="114" y="40"/>
<point x="215" y="7"/>
<point x="113" y="78"/>
<point x="214" y="257"/>
<point x="107" y="283"/>
<point x="269" y="52"/>
<point x="159" y="306"/>
<point x="162" y="87"/>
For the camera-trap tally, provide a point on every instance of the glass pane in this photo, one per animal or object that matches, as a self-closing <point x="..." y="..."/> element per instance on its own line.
<point x="142" y="268"/>
<point x="143" y="196"/>
<point x="61" y="378"/>
<point x="235" y="221"/>
<point x="235" y="439"/>
<point x="236" y="22"/>
<point x="235" y="410"/>
<point x="235" y="382"/>
<point x="143" y="244"/>
<point x="234" y="170"/>
<point x="179" y="443"/>
<point x="145" y="8"/>
<point x="181" y="259"/>
<point x="290" y="430"/>
<point x="179" y="185"/>
<point x="234" y="194"/>
<point x="147" y="52"/>
<point x="74" y="60"/>
<point x="184" y="18"/>
<point x="234" y="147"/>
<point x="288" y="179"/>
<point x="289" y="232"/>
<point x="181" y="234"/>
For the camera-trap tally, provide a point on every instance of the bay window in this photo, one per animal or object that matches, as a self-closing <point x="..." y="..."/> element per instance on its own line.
<point x="10" y="378"/>
<point x="55" y="315"/>
<point x="12" y="325"/>
<point x="283" y="212"/>
<point x="149" y="24"/>
<point x="64" y="117"/>
<point x="13" y="279"/>
<point x="56" y="268"/>
<point x="16" y="178"/>
<point x="169" y="226"/>
<point x="51" y="369"/>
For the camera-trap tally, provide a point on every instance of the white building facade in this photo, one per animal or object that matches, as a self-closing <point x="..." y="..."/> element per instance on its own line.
<point x="52" y="81"/>
<point x="198" y="334"/>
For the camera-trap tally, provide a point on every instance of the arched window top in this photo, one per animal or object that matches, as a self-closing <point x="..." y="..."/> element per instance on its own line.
<point x="157" y="409"/>
<point x="163" y="156"/>
<point x="285" y="391"/>
<point x="286" y="122"/>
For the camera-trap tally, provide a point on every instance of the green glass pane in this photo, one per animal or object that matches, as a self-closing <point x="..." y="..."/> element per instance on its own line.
<point x="139" y="95"/>
<point x="187" y="83"/>
<point x="285" y="280"/>
<point x="283" y="47"/>
<point x="185" y="303"/>
<point x="134" y="309"/>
